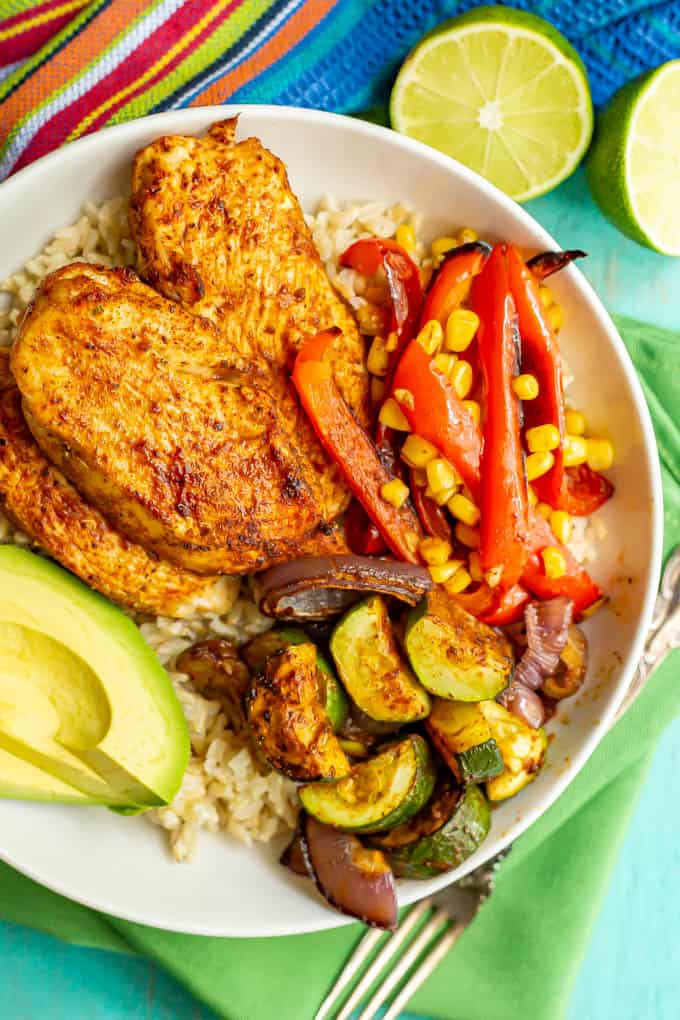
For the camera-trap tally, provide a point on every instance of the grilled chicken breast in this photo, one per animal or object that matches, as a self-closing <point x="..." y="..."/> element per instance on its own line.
<point x="39" y="499"/>
<point x="175" y="437"/>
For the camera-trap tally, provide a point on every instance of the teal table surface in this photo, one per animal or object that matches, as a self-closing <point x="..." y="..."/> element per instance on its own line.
<point x="632" y="966"/>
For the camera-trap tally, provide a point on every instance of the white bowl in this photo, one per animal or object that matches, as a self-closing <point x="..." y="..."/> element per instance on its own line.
<point x="120" y="865"/>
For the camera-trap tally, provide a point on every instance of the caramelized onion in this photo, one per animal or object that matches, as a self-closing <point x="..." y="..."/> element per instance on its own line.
<point x="547" y="627"/>
<point x="549" y="262"/>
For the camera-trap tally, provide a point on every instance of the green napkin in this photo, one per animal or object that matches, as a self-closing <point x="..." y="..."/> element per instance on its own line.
<point x="520" y="957"/>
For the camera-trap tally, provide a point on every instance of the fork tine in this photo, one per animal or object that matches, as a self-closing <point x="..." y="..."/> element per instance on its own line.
<point x="439" y="918"/>
<point x="421" y="973"/>
<point x="362" y="951"/>
<point x="386" y="953"/>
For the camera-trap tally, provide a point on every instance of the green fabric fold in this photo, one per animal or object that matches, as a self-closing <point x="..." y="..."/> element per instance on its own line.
<point x="522" y="954"/>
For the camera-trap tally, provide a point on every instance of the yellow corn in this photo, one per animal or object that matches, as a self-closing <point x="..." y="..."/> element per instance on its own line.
<point x="458" y="582"/>
<point x="556" y="317"/>
<point x="394" y="492"/>
<point x="392" y="342"/>
<point x="526" y="386"/>
<point x="406" y="237"/>
<point x="405" y="398"/>
<point x="467" y="235"/>
<point x="554" y="562"/>
<point x="600" y="454"/>
<point x="545" y="295"/>
<point x="444" y="363"/>
<point x="533" y="498"/>
<point x="441" y="474"/>
<point x="412" y="540"/>
<point x="475" y="567"/>
<point x="442" y="496"/>
<point x="417" y="452"/>
<point x="441" y="573"/>
<point x="467" y="536"/>
<point x="378" y="358"/>
<point x="419" y="476"/>
<point x="464" y="510"/>
<point x="393" y="417"/>
<point x="461" y="327"/>
<point x="426" y="271"/>
<point x="435" y="551"/>
<point x="543" y="437"/>
<point x="377" y="390"/>
<point x="372" y="318"/>
<point x="574" y="451"/>
<point x="473" y="408"/>
<point x="560" y="522"/>
<point x="431" y="336"/>
<point x="575" y="422"/>
<point x="544" y="509"/>
<point x="538" y="464"/>
<point x="493" y="576"/>
<point x="442" y="244"/>
<point x="461" y="378"/>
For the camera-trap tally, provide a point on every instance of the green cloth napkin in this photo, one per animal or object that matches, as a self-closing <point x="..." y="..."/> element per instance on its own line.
<point x="520" y="957"/>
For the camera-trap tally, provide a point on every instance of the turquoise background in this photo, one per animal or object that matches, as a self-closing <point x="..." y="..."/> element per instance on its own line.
<point x="632" y="966"/>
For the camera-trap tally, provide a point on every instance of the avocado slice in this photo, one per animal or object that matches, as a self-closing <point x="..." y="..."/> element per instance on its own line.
<point x="19" y="780"/>
<point x="82" y="696"/>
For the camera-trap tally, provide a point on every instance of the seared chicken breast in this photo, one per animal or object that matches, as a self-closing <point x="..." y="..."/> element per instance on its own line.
<point x="40" y="501"/>
<point x="168" y="431"/>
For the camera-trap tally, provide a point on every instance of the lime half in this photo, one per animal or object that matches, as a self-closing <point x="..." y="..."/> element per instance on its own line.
<point x="503" y="92"/>
<point x="633" y="168"/>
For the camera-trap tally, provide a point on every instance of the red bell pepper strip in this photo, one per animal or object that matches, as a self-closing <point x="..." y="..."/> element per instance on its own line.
<point x="493" y="605"/>
<point x="584" y="491"/>
<point x="576" y="583"/>
<point x="438" y="414"/>
<point x="451" y="282"/>
<point x="546" y="263"/>
<point x="504" y="528"/>
<point x="351" y="449"/>
<point x="361" y="533"/>
<point x="433" y="519"/>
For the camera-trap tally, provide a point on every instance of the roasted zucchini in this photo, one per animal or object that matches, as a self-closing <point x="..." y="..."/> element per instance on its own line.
<point x="451" y="826"/>
<point x="522" y="747"/>
<point x="377" y="794"/>
<point x="453" y="654"/>
<point x="287" y="720"/>
<point x="371" y="668"/>
<point x="571" y="669"/>
<point x="257" y="651"/>
<point x="462" y="736"/>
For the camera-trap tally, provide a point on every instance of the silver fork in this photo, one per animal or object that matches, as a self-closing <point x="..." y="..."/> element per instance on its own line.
<point x="445" y="916"/>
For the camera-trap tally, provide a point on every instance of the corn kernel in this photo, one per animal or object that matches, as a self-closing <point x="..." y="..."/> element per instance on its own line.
<point x="473" y="409"/>
<point x="600" y="454"/>
<point x="461" y="378"/>
<point x="431" y="336"/>
<point x="392" y="342"/>
<point x="493" y="576"/>
<point x="560" y="522"/>
<point x="412" y="540"/>
<point x="393" y="417"/>
<point x="526" y="386"/>
<point x="461" y="327"/>
<point x="442" y="244"/>
<point x="435" y="551"/>
<point x="395" y="492"/>
<point x="556" y="317"/>
<point x="426" y="272"/>
<point x="575" y="422"/>
<point x="464" y="510"/>
<point x="417" y="452"/>
<point x="378" y="358"/>
<point x="467" y="235"/>
<point x="467" y="536"/>
<point x="406" y="237"/>
<point x="533" y="498"/>
<point x="538" y="464"/>
<point x="444" y="363"/>
<point x="419" y="476"/>
<point x="376" y="293"/>
<point x="544" y="509"/>
<point x="574" y="451"/>
<point x="372" y="319"/>
<point x="543" y="437"/>
<point x="405" y="398"/>
<point x="475" y="567"/>
<point x="377" y="390"/>
<point x="554" y="562"/>
<point x="441" y="474"/>
<point x="546" y="297"/>
<point x="458" y="582"/>
<point x="442" y="496"/>
<point x="441" y="573"/>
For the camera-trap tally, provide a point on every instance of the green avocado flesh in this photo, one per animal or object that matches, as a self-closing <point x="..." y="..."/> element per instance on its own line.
<point x="87" y="713"/>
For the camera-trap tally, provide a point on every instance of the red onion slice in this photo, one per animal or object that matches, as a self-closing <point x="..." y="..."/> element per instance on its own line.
<point x="547" y="626"/>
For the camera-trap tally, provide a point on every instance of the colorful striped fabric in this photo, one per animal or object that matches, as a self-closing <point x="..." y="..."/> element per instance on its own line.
<point x="69" y="67"/>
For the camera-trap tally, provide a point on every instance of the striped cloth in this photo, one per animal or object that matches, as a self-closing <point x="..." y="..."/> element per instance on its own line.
<point x="69" y="67"/>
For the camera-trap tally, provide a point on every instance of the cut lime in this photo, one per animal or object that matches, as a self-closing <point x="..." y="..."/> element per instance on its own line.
<point x="633" y="168"/>
<point x="503" y="92"/>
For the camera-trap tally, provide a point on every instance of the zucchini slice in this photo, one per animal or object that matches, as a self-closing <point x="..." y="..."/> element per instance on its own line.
<point x="257" y="651"/>
<point x="451" y="826"/>
<point x="462" y="736"/>
<point x="522" y="747"/>
<point x="453" y="654"/>
<point x="377" y="794"/>
<point x="371" y="668"/>
<point x="287" y="720"/>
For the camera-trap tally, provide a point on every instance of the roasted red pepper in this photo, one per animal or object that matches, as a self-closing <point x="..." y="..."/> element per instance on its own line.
<point x="503" y="492"/>
<point x="493" y="605"/>
<point x="546" y="263"/>
<point x="584" y="491"/>
<point x="438" y="414"/>
<point x="361" y="533"/>
<point x="576" y="583"/>
<point x="451" y="282"/>
<point x="351" y="449"/>
<point x="433" y="519"/>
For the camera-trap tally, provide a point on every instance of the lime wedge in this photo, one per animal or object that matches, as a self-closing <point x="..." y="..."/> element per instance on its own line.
<point x="633" y="168"/>
<point x="503" y="92"/>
